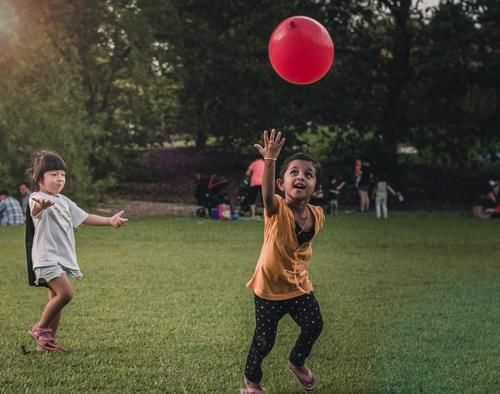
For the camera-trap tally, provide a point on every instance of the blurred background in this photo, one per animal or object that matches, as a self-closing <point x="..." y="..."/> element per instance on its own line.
<point x="139" y="95"/>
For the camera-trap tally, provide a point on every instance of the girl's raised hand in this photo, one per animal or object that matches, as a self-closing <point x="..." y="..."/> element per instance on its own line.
<point x="117" y="220"/>
<point x="272" y="145"/>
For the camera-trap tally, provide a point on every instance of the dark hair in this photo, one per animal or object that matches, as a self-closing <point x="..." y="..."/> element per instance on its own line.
<point x="304" y="157"/>
<point x="4" y="193"/>
<point x="24" y="184"/>
<point x="44" y="161"/>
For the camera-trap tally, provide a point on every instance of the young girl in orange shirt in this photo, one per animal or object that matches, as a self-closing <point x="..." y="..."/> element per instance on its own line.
<point x="280" y="282"/>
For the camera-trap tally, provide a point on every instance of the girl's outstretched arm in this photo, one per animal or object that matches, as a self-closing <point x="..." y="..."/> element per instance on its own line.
<point x="270" y="152"/>
<point x="115" y="220"/>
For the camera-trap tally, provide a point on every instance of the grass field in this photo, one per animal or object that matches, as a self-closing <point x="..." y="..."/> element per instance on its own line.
<point x="411" y="305"/>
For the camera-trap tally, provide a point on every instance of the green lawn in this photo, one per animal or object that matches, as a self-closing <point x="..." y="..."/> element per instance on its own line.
<point x="411" y="305"/>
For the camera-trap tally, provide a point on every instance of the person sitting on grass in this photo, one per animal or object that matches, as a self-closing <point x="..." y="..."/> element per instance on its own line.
<point x="11" y="212"/>
<point x="50" y="242"/>
<point x="280" y="282"/>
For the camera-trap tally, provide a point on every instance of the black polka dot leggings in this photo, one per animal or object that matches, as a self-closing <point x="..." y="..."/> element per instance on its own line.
<point x="304" y="310"/>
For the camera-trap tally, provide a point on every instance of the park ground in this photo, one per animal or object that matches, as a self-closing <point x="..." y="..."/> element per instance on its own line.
<point x="411" y="304"/>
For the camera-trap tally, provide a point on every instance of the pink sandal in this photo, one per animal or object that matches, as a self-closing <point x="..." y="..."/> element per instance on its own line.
<point x="307" y="380"/>
<point x="252" y="390"/>
<point x="45" y="339"/>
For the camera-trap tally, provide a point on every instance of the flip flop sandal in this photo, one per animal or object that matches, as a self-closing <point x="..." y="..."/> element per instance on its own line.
<point x="53" y="340"/>
<point x="252" y="390"/>
<point x="44" y="339"/>
<point x="308" y="381"/>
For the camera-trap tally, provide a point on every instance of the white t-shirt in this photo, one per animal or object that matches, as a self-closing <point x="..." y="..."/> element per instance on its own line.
<point x="381" y="190"/>
<point x="54" y="240"/>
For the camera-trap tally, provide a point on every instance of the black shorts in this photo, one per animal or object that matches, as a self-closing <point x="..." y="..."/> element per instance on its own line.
<point x="254" y="194"/>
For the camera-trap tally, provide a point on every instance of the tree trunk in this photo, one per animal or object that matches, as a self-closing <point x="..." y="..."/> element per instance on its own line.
<point x="394" y="122"/>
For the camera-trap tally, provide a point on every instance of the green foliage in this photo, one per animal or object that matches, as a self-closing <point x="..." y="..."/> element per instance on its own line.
<point x="336" y="143"/>
<point x="96" y="62"/>
<point x="455" y="107"/>
<point x="409" y="304"/>
<point x="130" y="93"/>
<point x="41" y="107"/>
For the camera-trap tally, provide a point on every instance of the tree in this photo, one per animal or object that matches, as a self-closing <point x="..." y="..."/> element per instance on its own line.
<point x="228" y="88"/>
<point x="41" y="107"/>
<point x="455" y="107"/>
<point x="106" y="48"/>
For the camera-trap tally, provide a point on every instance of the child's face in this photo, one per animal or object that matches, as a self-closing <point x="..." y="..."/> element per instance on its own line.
<point x="53" y="182"/>
<point x="299" y="180"/>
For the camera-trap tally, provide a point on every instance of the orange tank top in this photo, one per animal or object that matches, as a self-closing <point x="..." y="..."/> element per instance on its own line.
<point x="281" y="271"/>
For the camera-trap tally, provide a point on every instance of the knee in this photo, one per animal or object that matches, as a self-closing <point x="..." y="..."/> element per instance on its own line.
<point x="318" y="325"/>
<point x="263" y="343"/>
<point x="315" y="327"/>
<point x="66" y="296"/>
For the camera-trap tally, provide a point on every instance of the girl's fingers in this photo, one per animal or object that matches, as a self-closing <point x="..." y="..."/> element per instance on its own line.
<point x="273" y="138"/>
<point x="266" y="137"/>
<point x="282" y="142"/>
<point x="44" y="203"/>
<point x="259" y="148"/>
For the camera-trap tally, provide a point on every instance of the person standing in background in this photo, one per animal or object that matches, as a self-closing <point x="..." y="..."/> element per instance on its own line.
<point x="25" y="192"/>
<point x="363" y="183"/>
<point x="335" y="186"/>
<point x="380" y="192"/>
<point x="255" y="173"/>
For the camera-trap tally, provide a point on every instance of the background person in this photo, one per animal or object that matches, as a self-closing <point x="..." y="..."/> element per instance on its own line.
<point x="380" y="192"/>
<point x="364" y="182"/>
<point x="255" y="173"/>
<point x="10" y="210"/>
<point x="25" y="192"/>
<point x="334" y="188"/>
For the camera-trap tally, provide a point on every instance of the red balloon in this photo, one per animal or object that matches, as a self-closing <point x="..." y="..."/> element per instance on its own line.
<point x="301" y="50"/>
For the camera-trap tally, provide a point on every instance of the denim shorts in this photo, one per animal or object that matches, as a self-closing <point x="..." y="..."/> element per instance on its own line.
<point x="46" y="274"/>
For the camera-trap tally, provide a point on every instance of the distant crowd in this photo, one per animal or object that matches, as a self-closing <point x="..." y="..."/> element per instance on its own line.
<point x="370" y="182"/>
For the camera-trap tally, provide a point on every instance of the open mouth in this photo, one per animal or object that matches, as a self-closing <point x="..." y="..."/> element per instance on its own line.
<point x="300" y="186"/>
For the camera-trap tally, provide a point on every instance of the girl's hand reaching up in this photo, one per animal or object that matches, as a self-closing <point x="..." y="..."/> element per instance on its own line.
<point x="272" y="145"/>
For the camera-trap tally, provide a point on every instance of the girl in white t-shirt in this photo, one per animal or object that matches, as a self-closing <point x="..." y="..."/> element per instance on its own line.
<point x="50" y="242"/>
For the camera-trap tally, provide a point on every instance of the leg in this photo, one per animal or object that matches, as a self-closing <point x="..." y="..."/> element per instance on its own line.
<point x="267" y="315"/>
<point x="252" y="198"/>
<point x="61" y="293"/>
<point x="54" y="324"/>
<point x="365" y="201"/>
<point x="377" y="207"/>
<point x="306" y="313"/>
<point x="252" y="210"/>
<point x="384" y="208"/>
